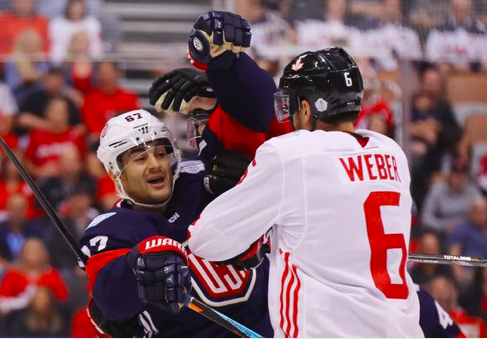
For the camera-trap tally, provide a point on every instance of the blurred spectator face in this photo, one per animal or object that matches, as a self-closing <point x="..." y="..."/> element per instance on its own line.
<point x="17" y="208"/>
<point x="335" y="10"/>
<point x="28" y="42"/>
<point x="57" y="113"/>
<point x="80" y="202"/>
<point x="459" y="174"/>
<point x="461" y="9"/>
<point x="377" y="123"/>
<point x="108" y="73"/>
<point x="79" y="44"/>
<point x="429" y="244"/>
<point x="34" y="254"/>
<point x="9" y="171"/>
<point x="458" y="180"/>
<point x="422" y="103"/>
<point x="432" y="85"/>
<point x="252" y="10"/>
<point x="444" y="291"/>
<point x="75" y="10"/>
<point x="24" y="8"/>
<point x="54" y="82"/>
<point x="478" y="213"/>
<point x="392" y="11"/>
<point x="70" y="161"/>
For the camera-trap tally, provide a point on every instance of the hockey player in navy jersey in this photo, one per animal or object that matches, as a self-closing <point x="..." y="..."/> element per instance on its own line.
<point x="137" y="269"/>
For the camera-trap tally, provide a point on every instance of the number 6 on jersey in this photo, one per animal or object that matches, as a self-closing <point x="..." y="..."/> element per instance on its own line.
<point x="381" y="242"/>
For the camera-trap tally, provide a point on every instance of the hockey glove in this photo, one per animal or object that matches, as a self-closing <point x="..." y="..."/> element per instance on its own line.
<point x="251" y="258"/>
<point x="218" y="37"/>
<point x="161" y="270"/>
<point x="182" y="90"/>
<point x="227" y="170"/>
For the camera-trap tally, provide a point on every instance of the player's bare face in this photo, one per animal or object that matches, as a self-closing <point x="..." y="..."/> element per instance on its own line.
<point x="147" y="177"/>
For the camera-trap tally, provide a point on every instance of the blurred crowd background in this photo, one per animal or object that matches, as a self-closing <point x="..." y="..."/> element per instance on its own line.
<point x="67" y="66"/>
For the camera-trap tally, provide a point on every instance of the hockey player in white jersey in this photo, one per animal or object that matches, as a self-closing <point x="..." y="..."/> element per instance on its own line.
<point x="337" y="204"/>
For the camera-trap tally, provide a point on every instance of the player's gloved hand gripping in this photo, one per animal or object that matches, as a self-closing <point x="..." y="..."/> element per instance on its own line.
<point x="182" y="91"/>
<point x="252" y="257"/>
<point x="161" y="269"/>
<point x="226" y="172"/>
<point x="218" y="37"/>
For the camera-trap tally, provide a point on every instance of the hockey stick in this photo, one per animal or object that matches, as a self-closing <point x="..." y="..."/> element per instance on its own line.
<point x="448" y="260"/>
<point x="191" y="303"/>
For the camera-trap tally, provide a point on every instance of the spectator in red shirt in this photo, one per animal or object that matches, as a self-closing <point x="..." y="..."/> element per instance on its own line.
<point x="22" y="18"/>
<point x="106" y="101"/>
<point x="46" y="145"/>
<point x="33" y="270"/>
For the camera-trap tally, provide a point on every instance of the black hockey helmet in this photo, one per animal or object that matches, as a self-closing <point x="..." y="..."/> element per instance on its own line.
<point x="328" y="79"/>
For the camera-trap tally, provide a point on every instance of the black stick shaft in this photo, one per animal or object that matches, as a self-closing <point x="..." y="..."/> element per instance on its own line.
<point x="43" y="201"/>
<point x="192" y="303"/>
<point x="448" y="260"/>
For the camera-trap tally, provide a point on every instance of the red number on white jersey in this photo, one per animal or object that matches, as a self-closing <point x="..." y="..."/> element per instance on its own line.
<point x="381" y="242"/>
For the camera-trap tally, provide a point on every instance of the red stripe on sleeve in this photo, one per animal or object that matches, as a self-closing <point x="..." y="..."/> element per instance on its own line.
<point x="295" y="309"/>
<point x="234" y="136"/>
<point x="284" y="276"/>
<point x="98" y="261"/>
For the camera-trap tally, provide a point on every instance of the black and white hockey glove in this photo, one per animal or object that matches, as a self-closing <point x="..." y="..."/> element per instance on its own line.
<point x="227" y="170"/>
<point x="182" y="91"/>
<point x="218" y="36"/>
<point x="161" y="269"/>
<point x="251" y="258"/>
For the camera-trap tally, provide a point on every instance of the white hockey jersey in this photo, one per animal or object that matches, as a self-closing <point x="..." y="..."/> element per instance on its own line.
<point x="339" y="208"/>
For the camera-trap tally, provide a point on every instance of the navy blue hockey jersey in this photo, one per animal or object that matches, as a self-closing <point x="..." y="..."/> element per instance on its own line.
<point x="242" y="295"/>
<point x="243" y="122"/>
<point x="434" y="320"/>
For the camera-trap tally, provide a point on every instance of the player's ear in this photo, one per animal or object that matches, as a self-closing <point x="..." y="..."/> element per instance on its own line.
<point x="306" y="110"/>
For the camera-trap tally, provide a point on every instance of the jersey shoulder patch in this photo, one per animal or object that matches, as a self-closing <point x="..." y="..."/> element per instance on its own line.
<point x="192" y="166"/>
<point x="100" y="218"/>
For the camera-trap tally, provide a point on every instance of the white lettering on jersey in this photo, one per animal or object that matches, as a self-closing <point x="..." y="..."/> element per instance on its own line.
<point x="174" y="218"/>
<point x="162" y="242"/>
<point x="443" y="315"/>
<point x="368" y="167"/>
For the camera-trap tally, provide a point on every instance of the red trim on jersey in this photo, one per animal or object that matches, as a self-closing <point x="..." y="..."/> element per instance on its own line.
<point x="289" y="314"/>
<point x="288" y="298"/>
<point x="295" y="297"/>
<point x="98" y="261"/>
<point x="360" y="139"/>
<point x="234" y="136"/>
<point x="283" y="280"/>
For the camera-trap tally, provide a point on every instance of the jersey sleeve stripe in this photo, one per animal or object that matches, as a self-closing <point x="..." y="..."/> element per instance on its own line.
<point x="290" y="287"/>
<point x="283" y="281"/>
<point x="98" y="261"/>
<point x="295" y="297"/>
